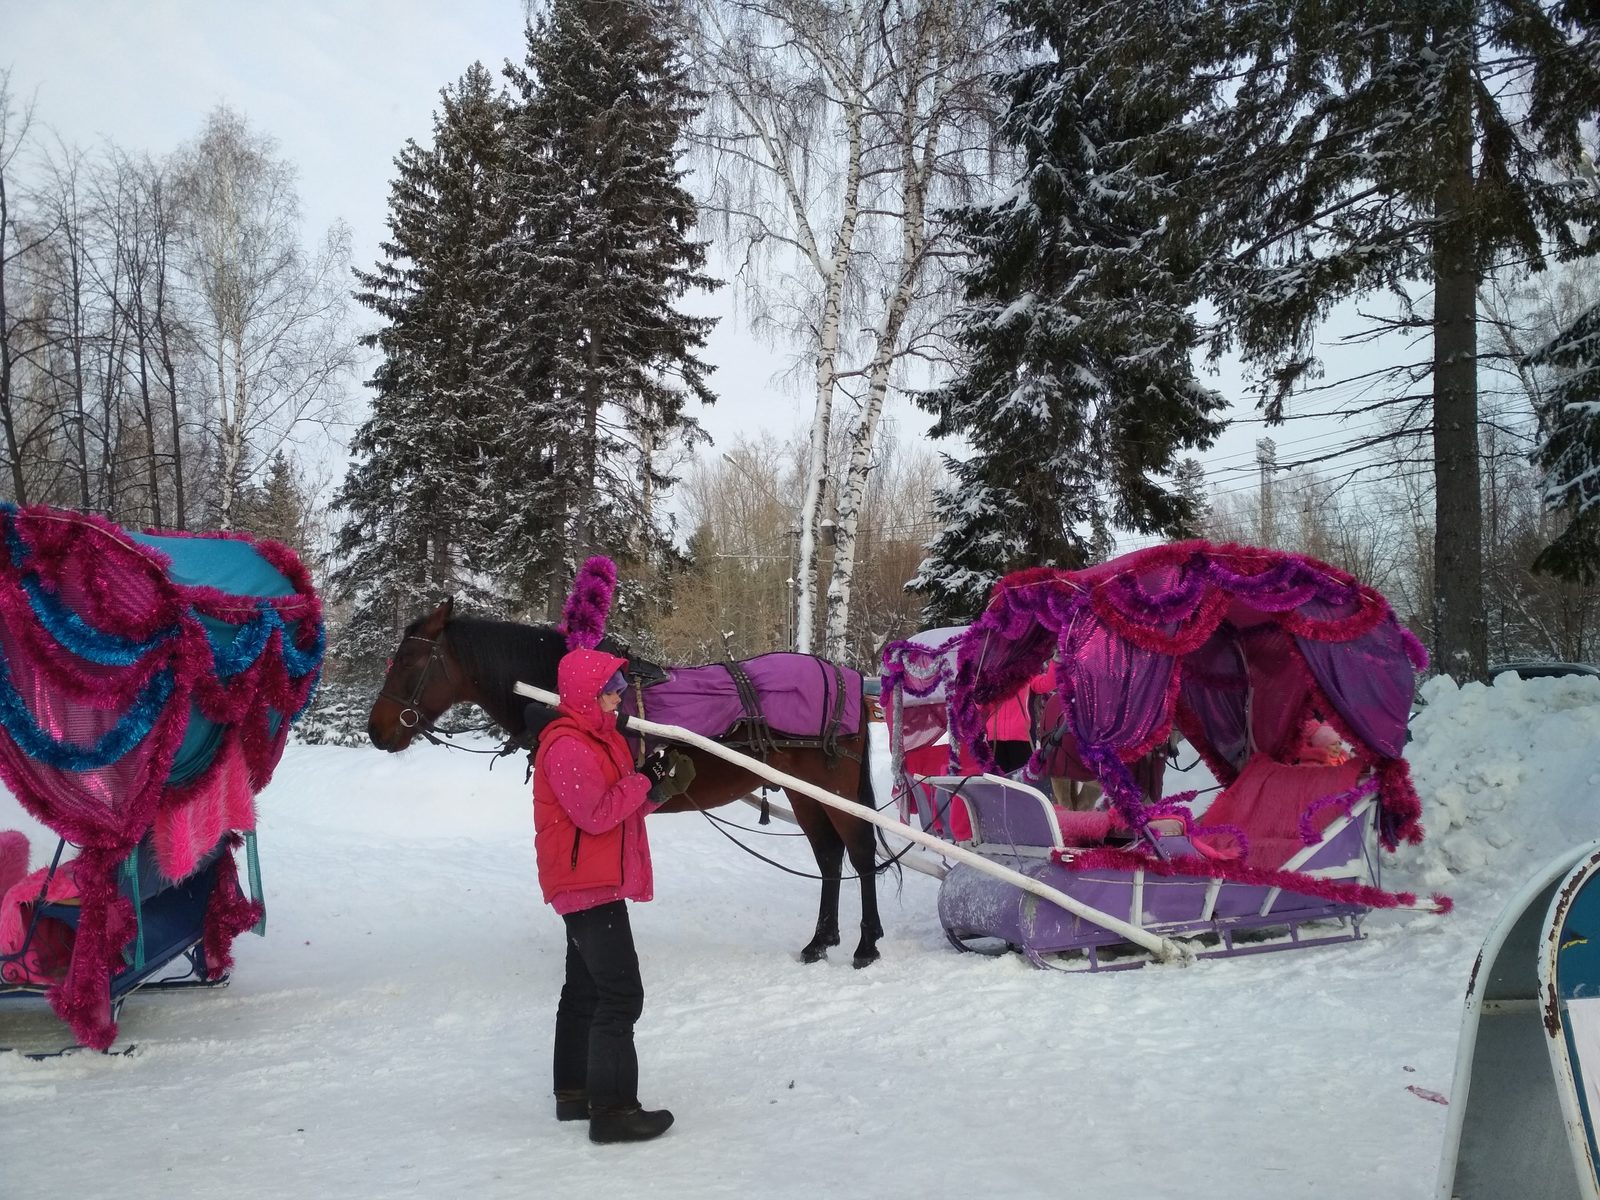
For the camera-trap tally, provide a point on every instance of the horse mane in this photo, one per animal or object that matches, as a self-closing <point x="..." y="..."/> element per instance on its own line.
<point x="499" y="653"/>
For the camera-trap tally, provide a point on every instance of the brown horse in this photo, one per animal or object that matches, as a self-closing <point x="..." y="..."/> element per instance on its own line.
<point x="444" y="660"/>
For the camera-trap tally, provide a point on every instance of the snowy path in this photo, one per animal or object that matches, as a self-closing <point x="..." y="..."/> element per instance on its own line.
<point x="389" y="1037"/>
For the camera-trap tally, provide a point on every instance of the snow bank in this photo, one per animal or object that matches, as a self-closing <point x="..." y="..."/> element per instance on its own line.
<point x="1508" y="777"/>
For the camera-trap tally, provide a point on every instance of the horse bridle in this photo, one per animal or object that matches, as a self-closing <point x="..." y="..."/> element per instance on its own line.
<point x="408" y="708"/>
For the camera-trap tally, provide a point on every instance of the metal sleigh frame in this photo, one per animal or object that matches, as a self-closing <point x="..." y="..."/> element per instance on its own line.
<point x="1015" y="824"/>
<point x="169" y="924"/>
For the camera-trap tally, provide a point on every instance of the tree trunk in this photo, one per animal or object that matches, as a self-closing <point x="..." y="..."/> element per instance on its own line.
<point x="170" y="371"/>
<point x="80" y="420"/>
<point x="812" y="506"/>
<point x="152" y="477"/>
<point x="1460" y="631"/>
<point x="19" y="483"/>
<point x="916" y="173"/>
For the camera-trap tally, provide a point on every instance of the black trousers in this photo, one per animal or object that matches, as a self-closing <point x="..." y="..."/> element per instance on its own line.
<point x="600" y="1001"/>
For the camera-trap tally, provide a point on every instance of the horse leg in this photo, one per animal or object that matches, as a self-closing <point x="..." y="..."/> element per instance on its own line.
<point x="828" y="848"/>
<point x="860" y="843"/>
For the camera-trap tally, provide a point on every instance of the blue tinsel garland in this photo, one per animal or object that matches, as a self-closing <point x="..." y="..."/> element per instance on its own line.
<point x="77" y="635"/>
<point x="255" y="635"/>
<point x="130" y="729"/>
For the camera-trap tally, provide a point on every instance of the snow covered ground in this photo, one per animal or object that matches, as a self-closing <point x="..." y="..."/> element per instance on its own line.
<point x="390" y="1035"/>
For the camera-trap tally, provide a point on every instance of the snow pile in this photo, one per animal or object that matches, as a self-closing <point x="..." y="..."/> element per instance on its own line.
<point x="1508" y="777"/>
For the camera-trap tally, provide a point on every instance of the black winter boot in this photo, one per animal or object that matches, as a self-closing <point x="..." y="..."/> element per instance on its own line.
<point x="627" y="1123"/>
<point x="572" y="1105"/>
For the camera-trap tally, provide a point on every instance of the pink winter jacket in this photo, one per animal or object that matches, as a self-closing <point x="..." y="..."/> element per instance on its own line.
<point x="588" y="801"/>
<point x="1008" y="720"/>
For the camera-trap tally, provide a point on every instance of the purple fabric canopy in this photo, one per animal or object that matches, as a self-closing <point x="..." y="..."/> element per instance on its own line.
<point x="1236" y="644"/>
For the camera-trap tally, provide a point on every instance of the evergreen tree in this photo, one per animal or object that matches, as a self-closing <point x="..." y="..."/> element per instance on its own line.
<point x="1570" y="452"/>
<point x="279" y="508"/>
<point x="601" y="359"/>
<point x="1380" y="144"/>
<point x="416" y="496"/>
<point x="1077" y="388"/>
<point x="1189" y="481"/>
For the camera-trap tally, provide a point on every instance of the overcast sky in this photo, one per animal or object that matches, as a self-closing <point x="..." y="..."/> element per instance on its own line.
<point x="341" y="84"/>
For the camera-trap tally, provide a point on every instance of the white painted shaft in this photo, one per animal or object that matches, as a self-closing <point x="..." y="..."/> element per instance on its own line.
<point x="1165" y="949"/>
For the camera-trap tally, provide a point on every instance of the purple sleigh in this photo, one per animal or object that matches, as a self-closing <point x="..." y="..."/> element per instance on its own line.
<point x="1242" y="650"/>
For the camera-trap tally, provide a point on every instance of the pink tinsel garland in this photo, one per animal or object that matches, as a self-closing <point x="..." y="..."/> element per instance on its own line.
<point x="228" y="914"/>
<point x="122" y="588"/>
<point x="1209" y="579"/>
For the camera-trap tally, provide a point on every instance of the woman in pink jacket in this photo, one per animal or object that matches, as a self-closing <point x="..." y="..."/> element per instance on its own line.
<point x="588" y="814"/>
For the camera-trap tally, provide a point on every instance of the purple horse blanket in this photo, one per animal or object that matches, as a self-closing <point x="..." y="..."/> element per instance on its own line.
<point x="801" y="697"/>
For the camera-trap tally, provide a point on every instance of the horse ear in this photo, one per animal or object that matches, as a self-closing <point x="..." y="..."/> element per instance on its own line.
<point x="435" y="623"/>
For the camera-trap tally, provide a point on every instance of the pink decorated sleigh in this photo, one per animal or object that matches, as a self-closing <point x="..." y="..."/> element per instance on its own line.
<point x="1246" y="652"/>
<point x="147" y="685"/>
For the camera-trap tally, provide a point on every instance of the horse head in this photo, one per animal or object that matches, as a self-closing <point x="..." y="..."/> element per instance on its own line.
<point x="421" y="683"/>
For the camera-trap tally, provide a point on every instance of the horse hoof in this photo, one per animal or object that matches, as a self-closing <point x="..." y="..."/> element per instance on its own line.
<point x="813" y="954"/>
<point x="865" y="959"/>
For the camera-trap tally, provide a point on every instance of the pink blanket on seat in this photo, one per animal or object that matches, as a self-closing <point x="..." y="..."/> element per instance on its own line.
<point x="50" y="950"/>
<point x="1267" y="801"/>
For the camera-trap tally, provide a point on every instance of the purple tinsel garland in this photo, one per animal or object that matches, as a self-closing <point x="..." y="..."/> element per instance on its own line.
<point x="1172" y="620"/>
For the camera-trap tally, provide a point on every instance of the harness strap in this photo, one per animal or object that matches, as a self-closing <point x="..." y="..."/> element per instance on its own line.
<point x="760" y="732"/>
<point x="830" y="735"/>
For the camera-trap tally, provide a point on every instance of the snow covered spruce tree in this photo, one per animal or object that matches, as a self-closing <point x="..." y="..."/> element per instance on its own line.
<point x="415" y="495"/>
<point x="1570" y="452"/>
<point x="1077" y="390"/>
<point x="601" y="251"/>
<point x="1391" y="147"/>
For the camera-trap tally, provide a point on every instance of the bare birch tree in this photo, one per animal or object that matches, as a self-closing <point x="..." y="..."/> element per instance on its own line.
<point x="824" y="130"/>
<point x="14" y="125"/>
<point x="268" y="319"/>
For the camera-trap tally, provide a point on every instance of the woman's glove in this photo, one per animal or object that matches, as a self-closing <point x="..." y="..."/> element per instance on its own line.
<point x="676" y="780"/>
<point x="655" y="767"/>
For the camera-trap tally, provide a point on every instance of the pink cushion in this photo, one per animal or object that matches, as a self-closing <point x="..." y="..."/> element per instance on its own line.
<point x="1266" y="802"/>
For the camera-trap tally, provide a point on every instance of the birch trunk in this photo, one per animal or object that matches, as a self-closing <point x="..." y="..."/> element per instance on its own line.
<point x="827" y="376"/>
<point x="19" y="483"/>
<point x="234" y="426"/>
<point x="916" y="175"/>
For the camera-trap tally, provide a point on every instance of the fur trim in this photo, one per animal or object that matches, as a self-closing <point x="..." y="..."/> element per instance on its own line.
<point x="584" y="617"/>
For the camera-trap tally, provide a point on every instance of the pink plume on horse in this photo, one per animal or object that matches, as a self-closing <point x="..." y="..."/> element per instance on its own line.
<point x="584" y="617"/>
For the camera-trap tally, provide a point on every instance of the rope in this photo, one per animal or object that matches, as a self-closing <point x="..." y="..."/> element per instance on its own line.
<point x="717" y="823"/>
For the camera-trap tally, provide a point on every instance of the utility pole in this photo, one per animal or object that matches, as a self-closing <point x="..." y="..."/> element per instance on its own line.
<point x="1267" y="462"/>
